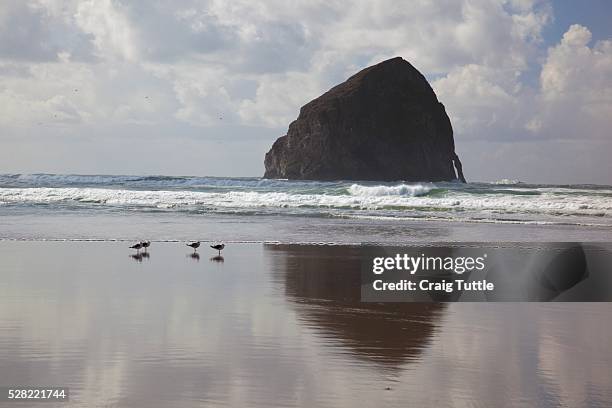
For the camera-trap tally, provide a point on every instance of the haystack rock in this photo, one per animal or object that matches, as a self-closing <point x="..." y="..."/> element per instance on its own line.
<point x="384" y="123"/>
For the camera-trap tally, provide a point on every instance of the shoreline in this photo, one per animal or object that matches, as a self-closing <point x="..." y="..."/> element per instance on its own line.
<point x="177" y="228"/>
<point x="435" y="244"/>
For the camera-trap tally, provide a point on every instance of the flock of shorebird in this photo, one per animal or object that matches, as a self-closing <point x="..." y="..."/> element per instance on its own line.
<point x="193" y="244"/>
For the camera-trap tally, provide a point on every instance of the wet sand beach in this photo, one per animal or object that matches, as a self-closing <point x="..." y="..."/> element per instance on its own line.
<point x="277" y="325"/>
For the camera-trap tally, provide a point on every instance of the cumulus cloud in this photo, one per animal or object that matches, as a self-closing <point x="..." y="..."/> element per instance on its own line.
<point x="212" y="64"/>
<point x="573" y="99"/>
<point x="483" y="101"/>
<point x="291" y="52"/>
<point x="112" y="32"/>
<point x="576" y="88"/>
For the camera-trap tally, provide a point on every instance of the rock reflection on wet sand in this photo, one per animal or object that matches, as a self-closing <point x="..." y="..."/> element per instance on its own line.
<point x="323" y="284"/>
<point x="278" y="326"/>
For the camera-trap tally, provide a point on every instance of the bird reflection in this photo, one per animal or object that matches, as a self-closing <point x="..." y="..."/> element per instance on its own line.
<point x="195" y="256"/>
<point x="217" y="258"/>
<point x="145" y="255"/>
<point x="137" y="257"/>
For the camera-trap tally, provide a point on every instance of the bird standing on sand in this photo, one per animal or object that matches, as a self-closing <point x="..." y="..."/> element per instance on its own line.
<point x="137" y="246"/>
<point x="145" y="244"/>
<point x="218" y="247"/>
<point x="194" y="245"/>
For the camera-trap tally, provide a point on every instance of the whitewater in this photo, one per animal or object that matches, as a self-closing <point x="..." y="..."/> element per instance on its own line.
<point x="45" y="196"/>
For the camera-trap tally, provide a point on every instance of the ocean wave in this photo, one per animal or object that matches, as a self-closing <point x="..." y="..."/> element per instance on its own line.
<point x="370" y="198"/>
<point x="410" y="190"/>
<point x="161" y="182"/>
<point x="66" y="179"/>
<point x="507" y="182"/>
<point x="509" y="203"/>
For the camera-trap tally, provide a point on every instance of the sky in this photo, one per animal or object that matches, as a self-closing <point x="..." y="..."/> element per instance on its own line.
<point x="204" y="87"/>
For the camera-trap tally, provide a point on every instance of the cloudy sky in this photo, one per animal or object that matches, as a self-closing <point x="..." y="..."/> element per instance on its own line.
<point x="199" y="87"/>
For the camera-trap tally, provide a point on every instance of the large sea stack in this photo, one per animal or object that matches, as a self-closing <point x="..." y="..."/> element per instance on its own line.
<point x="384" y="123"/>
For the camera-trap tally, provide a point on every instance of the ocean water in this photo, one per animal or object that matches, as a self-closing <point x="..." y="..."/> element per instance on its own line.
<point x="50" y="206"/>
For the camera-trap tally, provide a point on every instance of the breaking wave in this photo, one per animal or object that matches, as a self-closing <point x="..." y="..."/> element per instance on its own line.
<point x="501" y="202"/>
<point x="507" y="182"/>
<point x="410" y="190"/>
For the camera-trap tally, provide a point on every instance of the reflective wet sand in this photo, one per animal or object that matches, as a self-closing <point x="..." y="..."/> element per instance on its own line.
<point x="277" y="325"/>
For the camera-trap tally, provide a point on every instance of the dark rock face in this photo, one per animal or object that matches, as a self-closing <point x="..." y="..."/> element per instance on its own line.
<point x="384" y="123"/>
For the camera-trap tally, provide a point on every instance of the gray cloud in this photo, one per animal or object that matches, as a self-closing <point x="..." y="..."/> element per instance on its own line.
<point x="24" y="33"/>
<point x="29" y="33"/>
<point x="207" y="68"/>
<point x="167" y="33"/>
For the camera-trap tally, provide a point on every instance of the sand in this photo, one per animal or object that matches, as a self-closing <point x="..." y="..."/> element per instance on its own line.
<point x="276" y="325"/>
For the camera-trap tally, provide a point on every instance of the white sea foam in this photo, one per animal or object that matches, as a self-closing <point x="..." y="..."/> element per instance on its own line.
<point x="507" y="182"/>
<point x="410" y="190"/>
<point x="373" y="198"/>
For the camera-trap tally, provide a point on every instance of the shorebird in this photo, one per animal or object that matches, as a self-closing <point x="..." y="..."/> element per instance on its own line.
<point x="194" y="245"/>
<point x="218" y="247"/>
<point x="137" y="246"/>
<point x="145" y="244"/>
